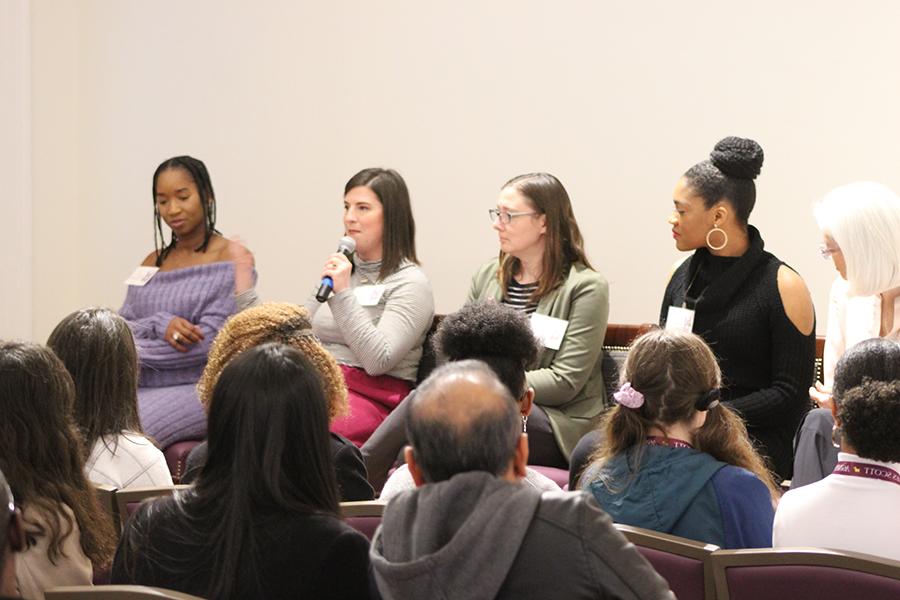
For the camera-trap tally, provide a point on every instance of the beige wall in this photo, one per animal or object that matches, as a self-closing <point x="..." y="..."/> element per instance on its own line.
<point x="285" y="100"/>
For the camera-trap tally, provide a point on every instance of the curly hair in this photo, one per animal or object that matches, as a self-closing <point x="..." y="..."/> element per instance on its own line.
<point x="42" y="452"/>
<point x="273" y="322"/>
<point x="729" y="173"/>
<point x="494" y="333"/>
<point x="673" y="370"/>
<point x="870" y="418"/>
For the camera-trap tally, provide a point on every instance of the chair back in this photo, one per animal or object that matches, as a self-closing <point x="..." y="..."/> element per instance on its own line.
<point x="114" y="592"/>
<point x="804" y="574"/>
<point x="176" y="457"/>
<point x="128" y="501"/>
<point x="683" y="563"/>
<point x="363" y="516"/>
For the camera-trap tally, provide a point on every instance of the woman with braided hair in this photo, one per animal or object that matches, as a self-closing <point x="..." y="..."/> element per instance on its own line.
<point x="179" y="298"/>
<point x="287" y="324"/>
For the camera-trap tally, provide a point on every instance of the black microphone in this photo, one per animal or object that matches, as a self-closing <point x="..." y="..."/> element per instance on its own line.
<point x="347" y="246"/>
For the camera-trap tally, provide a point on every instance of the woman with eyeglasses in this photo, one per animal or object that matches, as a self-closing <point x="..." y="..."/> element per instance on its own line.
<point x="543" y="271"/>
<point x="860" y="225"/>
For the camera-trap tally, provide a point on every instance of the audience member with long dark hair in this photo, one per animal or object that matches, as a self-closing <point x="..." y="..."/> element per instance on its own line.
<point x="176" y="302"/>
<point x="262" y="519"/>
<point x="288" y="324"/>
<point x="96" y="346"/>
<point x="42" y="456"/>
<point x="672" y="459"/>
<point x="855" y="507"/>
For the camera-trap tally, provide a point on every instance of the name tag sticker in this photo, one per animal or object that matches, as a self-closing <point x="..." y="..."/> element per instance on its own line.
<point x="549" y="330"/>
<point x="680" y="319"/>
<point x="141" y="276"/>
<point x="368" y="295"/>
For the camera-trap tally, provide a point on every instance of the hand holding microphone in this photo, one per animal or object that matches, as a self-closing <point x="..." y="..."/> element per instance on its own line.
<point x="336" y="274"/>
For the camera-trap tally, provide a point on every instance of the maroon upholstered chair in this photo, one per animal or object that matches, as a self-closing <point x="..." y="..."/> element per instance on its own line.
<point x="683" y="563"/>
<point x="128" y="501"/>
<point x="176" y="457"/>
<point x="804" y="573"/>
<point x="363" y="516"/>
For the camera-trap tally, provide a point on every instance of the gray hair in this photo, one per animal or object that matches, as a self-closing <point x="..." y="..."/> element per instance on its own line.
<point x="463" y="419"/>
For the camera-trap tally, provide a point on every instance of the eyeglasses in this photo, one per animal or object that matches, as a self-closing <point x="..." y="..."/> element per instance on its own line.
<point x="504" y="217"/>
<point x="826" y="252"/>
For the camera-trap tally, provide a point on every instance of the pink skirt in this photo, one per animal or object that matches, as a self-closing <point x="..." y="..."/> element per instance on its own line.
<point x="371" y="400"/>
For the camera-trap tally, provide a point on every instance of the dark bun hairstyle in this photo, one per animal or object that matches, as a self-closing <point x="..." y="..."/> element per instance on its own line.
<point x="728" y="175"/>
<point x="493" y="333"/>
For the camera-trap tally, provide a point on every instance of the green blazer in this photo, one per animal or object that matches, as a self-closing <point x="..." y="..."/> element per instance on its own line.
<point x="568" y="382"/>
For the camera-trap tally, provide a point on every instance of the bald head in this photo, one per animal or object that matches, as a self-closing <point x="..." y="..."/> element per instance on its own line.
<point x="463" y="419"/>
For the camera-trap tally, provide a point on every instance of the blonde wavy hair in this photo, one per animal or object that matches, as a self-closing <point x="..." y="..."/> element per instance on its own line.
<point x="274" y="322"/>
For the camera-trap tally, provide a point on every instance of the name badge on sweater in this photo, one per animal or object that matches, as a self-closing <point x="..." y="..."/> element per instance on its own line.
<point x="680" y="319"/>
<point x="141" y="276"/>
<point x="549" y="330"/>
<point x="368" y="295"/>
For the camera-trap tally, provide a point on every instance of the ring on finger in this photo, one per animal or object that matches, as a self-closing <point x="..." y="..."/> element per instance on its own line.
<point x="176" y="336"/>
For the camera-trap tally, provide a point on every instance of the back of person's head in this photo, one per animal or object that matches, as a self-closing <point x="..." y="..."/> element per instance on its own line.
<point x="97" y="348"/>
<point x="495" y="334"/>
<point x="863" y="219"/>
<point x="280" y="322"/>
<point x="876" y="359"/>
<point x="399" y="233"/>
<point x="12" y="539"/>
<point x="564" y="242"/>
<point x="869" y="416"/>
<point x="728" y="175"/>
<point x="463" y="419"/>
<point x="668" y="377"/>
<point x="269" y="455"/>
<point x="41" y="450"/>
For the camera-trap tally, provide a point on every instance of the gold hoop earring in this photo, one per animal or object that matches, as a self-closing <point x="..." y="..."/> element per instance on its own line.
<point x="716" y="229"/>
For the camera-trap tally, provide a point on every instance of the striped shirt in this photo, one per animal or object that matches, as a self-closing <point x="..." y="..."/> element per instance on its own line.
<point x="518" y="296"/>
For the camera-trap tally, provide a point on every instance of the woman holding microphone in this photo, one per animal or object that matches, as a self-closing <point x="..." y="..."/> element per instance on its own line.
<point x="382" y="305"/>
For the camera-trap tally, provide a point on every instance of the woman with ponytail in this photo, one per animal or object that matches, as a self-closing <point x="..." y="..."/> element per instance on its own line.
<point x="672" y="459"/>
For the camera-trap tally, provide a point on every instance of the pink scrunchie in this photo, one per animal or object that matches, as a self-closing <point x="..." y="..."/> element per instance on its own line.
<point x="629" y="397"/>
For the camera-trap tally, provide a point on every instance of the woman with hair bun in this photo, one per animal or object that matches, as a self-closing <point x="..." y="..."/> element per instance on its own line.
<point x="673" y="460"/>
<point x="753" y="310"/>
<point x="860" y="225"/>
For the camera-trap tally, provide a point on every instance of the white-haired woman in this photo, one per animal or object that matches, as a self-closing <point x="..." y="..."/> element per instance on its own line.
<point x="860" y="225"/>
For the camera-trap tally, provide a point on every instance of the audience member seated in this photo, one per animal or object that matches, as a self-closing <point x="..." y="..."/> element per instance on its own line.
<point x="42" y="456"/>
<point x="287" y="324"/>
<point x="502" y="338"/>
<point x="855" y="508"/>
<point x="672" y="459"/>
<point x="743" y="301"/>
<point x="97" y="348"/>
<point x="177" y="300"/>
<point x="12" y="541"/>
<point x="860" y="225"/>
<point x="473" y="530"/>
<point x="262" y="519"/>
<point x="376" y="320"/>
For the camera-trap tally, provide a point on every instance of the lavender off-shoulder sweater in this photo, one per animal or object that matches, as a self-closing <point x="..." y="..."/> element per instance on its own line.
<point x="203" y="295"/>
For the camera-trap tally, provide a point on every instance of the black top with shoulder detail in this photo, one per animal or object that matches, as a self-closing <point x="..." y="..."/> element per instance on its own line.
<point x="767" y="364"/>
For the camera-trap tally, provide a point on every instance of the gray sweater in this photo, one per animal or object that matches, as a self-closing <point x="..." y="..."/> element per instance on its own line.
<point x="383" y="339"/>
<point x="478" y="536"/>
